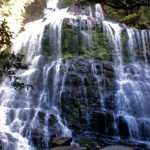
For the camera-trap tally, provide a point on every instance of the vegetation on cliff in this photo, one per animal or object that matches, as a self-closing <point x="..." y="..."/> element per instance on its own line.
<point x="131" y="12"/>
<point x="10" y="63"/>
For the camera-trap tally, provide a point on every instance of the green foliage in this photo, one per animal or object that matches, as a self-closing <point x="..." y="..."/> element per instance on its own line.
<point x="101" y="49"/>
<point x="139" y="18"/>
<point x="80" y="2"/>
<point x="5" y="35"/>
<point x="68" y="55"/>
<point x="131" y="19"/>
<point x="68" y="2"/>
<point x="19" y="85"/>
<point x="9" y="62"/>
<point x="113" y="13"/>
<point x="131" y="12"/>
<point x="144" y="21"/>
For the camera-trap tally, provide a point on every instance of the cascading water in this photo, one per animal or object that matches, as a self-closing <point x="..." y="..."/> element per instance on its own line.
<point x="132" y="75"/>
<point x="31" y="112"/>
<point x="27" y="115"/>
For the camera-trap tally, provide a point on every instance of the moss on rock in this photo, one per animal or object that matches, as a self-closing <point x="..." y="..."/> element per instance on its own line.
<point x="85" y="43"/>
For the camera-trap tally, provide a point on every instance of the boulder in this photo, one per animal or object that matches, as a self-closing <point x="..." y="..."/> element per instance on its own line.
<point x="103" y="122"/>
<point x="117" y="147"/>
<point x="89" y="142"/>
<point x="123" y="128"/>
<point x="69" y="148"/>
<point x="38" y="140"/>
<point x="61" y="141"/>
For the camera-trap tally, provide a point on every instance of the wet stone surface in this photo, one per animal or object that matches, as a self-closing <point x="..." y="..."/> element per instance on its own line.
<point x="83" y="92"/>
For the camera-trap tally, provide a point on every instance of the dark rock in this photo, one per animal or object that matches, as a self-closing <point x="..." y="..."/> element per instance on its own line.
<point x="37" y="138"/>
<point x="118" y="147"/>
<point x="69" y="148"/>
<point x="123" y="127"/>
<point x="41" y="117"/>
<point x="81" y="66"/>
<point x="52" y="120"/>
<point x="71" y="110"/>
<point x="61" y="141"/>
<point x="73" y="80"/>
<point x="103" y="123"/>
<point x="89" y="143"/>
<point x="109" y="97"/>
<point x="107" y="65"/>
<point x="83" y="93"/>
<point x="93" y="94"/>
<point x="90" y="80"/>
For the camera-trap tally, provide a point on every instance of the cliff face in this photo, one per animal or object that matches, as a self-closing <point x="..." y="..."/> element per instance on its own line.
<point x="90" y="81"/>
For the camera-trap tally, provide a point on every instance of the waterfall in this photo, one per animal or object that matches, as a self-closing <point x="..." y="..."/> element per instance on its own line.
<point x="30" y="117"/>
<point x="132" y="77"/>
<point x="33" y="109"/>
<point x="27" y="113"/>
<point x="113" y="31"/>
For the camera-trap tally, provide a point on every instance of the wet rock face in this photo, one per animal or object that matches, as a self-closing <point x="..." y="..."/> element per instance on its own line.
<point x="123" y="128"/>
<point x="61" y="141"/>
<point x="82" y="95"/>
<point x="89" y="82"/>
<point x="84" y="38"/>
<point x="37" y="138"/>
<point x="104" y="123"/>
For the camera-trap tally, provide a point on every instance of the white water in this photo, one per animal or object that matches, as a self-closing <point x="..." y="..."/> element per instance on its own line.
<point x="99" y="13"/>
<point x="53" y="4"/>
<point x="29" y="42"/>
<point x="132" y="77"/>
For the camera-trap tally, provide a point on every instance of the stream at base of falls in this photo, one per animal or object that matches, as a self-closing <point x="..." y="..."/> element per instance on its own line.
<point x="77" y="94"/>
